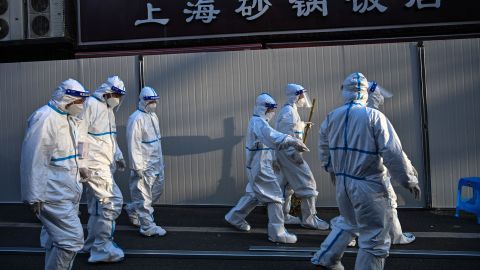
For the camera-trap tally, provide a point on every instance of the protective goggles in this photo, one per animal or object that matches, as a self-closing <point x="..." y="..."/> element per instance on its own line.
<point x="76" y="93"/>
<point x="270" y="105"/>
<point x="299" y="92"/>
<point x="151" y="98"/>
<point x="373" y="86"/>
<point x="118" y="90"/>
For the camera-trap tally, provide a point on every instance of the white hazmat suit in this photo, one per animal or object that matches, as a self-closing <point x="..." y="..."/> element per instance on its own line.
<point x="261" y="142"/>
<point x="50" y="175"/>
<point x="102" y="157"/>
<point x="295" y="172"/>
<point x="376" y="98"/>
<point x="146" y="163"/>
<point x="355" y="143"/>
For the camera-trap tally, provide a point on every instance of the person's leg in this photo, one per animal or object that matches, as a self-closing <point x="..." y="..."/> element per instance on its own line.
<point x="62" y="234"/>
<point x="396" y="233"/>
<point x="287" y="195"/>
<point x="374" y="219"/>
<point x="301" y="180"/>
<point x="344" y="229"/>
<point x="135" y="199"/>
<point x="92" y="206"/>
<point x="151" y="190"/>
<point x="398" y="236"/>
<point x="104" y="249"/>
<point x="276" y="228"/>
<point x="236" y="216"/>
<point x="309" y="215"/>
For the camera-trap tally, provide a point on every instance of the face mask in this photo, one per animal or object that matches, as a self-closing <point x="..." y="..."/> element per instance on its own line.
<point x="151" y="106"/>
<point x="75" y="109"/>
<point x="270" y="115"/>
<point x="301" y="102"/>
<point x="113" y="102"/>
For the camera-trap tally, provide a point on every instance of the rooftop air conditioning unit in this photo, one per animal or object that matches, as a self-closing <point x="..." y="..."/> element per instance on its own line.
<point x="11" y="20"/>
<point x="46" y="18"/>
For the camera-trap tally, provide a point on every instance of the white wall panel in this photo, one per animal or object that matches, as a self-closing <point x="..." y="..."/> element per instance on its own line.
<point x="27" y="86"/>
<point x="207" y="100"/>
<point x="452" y="74"/>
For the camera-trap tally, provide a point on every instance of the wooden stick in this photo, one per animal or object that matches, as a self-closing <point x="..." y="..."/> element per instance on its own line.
<point x="307" y="128"/>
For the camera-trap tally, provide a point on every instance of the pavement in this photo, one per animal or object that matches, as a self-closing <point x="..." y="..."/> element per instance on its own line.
<point x="199" y="238"/>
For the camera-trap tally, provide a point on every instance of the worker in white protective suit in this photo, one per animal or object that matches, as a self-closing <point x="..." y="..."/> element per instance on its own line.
<point x="50" y="175"/>
<point x="293" y="169"/>
<point x="261" y="142"/>
<point x="103" y="156"/>
<point x="358" y="144"/>
<point x="376" y="98"/>
<point x="146" y="163"/>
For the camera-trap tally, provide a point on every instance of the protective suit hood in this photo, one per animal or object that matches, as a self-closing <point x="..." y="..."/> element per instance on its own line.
<point x="67" y="92"/>
<point x="113" y="85"/>
<point x="355" y="88"/>
<point x="264" y="101"/>
<point x="147" y="94"/>
<point x="292" y="90"/>
<point x="377" y="95"/>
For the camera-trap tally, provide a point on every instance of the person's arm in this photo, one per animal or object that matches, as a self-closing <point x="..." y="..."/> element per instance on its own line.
<point x="134" y="143"/>
<point x="37" y="151"/>
<point x="276" y="140"/>
<point x="323" y="147"/>
<point x="390" y="148"/>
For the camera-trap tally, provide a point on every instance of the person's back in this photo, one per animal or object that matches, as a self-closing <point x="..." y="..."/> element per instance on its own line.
<point x="352" y="154"/>
<point x="357" y="143"/>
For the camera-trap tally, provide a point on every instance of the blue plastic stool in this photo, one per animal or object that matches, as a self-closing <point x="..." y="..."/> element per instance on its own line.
<point x="472" y="205"/>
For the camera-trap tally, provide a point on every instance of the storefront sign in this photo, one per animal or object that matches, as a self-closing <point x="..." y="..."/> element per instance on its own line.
<point x="126" y="21"/>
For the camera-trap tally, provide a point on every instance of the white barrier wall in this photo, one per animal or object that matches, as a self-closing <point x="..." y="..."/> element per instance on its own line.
<point x="207" y="99"/>
<point x="452" y="73"/>
<point x="28" y="86"/>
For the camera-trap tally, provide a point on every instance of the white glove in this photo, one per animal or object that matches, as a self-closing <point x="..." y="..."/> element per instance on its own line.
<point x="121" y="165"/>
<point x="301" y="147"/>
<point x="297" y="144"/>
<point x="415" y="190"/>
<point x="85" y="174"/>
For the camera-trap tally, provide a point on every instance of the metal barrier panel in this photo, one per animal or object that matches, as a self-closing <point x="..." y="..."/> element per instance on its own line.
<point x="452" y="76"/>
<point x="207" y="100"/>
<point x="27" y="86"/>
